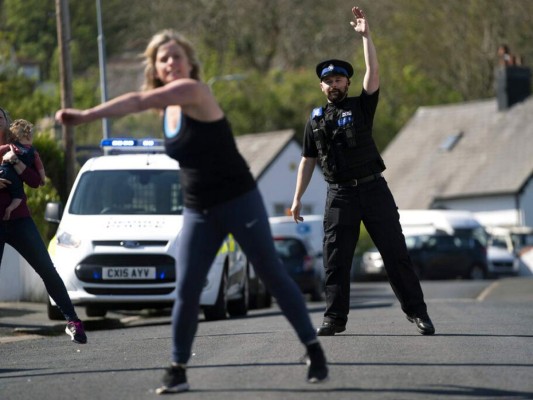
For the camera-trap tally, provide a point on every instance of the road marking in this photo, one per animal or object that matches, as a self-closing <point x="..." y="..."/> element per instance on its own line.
<point x="485" y="293"/>
<point x="11" y="339"/>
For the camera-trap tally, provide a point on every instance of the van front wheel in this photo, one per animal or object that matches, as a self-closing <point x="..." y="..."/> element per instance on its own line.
<point x="218" y="310"/>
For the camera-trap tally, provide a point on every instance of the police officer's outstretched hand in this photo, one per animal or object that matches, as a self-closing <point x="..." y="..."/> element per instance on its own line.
<point x="360" y="25"/>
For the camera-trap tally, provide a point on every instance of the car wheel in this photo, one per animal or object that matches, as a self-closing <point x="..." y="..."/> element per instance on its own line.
<point x="261" y="299"/>
<point x="95" y="311"/>
<point x="218" y="310"/>
<point x="267" y="299"/>
<point x="239" y="307"/>
<point x="54" y="313"/>
<point x="477" y="272"/>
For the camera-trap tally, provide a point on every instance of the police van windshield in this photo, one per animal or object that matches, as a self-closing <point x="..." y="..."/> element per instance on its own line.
<point x="119" y="192"/>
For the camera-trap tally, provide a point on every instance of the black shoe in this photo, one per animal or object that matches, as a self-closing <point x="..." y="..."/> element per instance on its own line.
<point x="174" y="380"/>
<point x="317" y="366"/>
<point x="423" y="324"/>
<point x="330" y="329"/>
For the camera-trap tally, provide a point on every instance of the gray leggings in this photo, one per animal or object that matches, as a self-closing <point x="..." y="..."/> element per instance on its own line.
<point x="202" y="235"/>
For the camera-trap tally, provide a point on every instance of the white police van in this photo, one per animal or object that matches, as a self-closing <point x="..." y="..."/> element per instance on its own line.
<point x="115" y="246"/>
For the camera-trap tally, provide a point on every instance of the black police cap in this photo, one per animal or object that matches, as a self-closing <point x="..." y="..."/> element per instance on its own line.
<point x="334" y="67"/>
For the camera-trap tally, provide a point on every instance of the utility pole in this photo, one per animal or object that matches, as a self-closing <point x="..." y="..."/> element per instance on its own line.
<point x="102" y="62"/>
<point x="65" y="71"/>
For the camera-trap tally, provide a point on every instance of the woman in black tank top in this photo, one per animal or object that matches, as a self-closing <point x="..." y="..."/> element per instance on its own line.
<point x="220" y="195"/>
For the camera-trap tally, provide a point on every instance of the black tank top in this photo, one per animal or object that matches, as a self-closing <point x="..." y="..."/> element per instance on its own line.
<point x="212" y="169"/>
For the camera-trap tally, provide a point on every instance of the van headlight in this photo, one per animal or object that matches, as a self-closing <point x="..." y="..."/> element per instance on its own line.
<point x="65" y="239"/>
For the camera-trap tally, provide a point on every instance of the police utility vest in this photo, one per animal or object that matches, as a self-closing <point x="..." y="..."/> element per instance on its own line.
<point x="346" y="149"/>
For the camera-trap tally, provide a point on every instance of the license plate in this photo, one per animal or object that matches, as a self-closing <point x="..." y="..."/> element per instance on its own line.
<point x="128" y="273"/>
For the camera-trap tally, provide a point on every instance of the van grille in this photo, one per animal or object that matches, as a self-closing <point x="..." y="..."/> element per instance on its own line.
<point x="91" y="268"/>
<point x="503" y="264"/>
<point x="129" y="291"/>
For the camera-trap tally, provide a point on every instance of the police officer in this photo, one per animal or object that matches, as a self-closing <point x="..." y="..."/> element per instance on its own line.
<point x="339" y="136"/>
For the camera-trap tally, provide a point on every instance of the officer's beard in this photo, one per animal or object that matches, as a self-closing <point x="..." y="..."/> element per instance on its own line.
<point x="337" y="95"/>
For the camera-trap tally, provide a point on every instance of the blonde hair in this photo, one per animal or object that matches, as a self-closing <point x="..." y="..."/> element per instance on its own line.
<point x="20" y="129"/>
<point x="150" y="79"/>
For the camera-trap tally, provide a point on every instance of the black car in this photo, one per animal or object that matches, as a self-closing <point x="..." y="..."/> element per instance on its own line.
<point x="447" y="256"/>
<point x="301" y="264"/>
<point x="436" y="256"/>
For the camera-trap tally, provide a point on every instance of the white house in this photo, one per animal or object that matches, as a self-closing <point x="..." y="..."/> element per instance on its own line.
<point x="273" y="158"/>
<point x="18" y="281"/>
<point x="475" y="156"/>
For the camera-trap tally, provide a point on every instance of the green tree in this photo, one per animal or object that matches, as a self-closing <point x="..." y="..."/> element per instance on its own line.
<point x="430" y="52"/>
<point x="53" y="160"/>
<point x="23" y="98"/>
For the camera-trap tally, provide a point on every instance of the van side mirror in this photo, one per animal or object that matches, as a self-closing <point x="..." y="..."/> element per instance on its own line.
<point x="53" y="212"/>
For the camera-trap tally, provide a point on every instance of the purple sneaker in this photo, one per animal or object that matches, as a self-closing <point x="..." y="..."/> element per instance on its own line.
<point x="76" y="332"/>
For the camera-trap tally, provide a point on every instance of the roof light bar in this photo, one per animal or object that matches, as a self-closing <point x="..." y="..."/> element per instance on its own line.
<point x="129" y="145"/>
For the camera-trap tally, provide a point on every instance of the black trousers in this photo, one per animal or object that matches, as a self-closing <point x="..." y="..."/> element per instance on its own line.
<point x="373" y="204"/>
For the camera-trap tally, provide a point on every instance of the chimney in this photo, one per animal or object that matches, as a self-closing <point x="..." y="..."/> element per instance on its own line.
<point x="513" y="81"/>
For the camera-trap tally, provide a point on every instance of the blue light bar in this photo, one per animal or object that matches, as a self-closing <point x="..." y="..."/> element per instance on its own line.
<point x="132" y="145"/>
<point x="131" y="142"/>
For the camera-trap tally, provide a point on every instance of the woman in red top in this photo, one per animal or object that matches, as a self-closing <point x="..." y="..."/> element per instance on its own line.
<point x="21" y="233"/>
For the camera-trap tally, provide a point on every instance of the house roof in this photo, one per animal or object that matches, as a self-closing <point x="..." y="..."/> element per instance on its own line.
<point x="260" y="150"/>
<point x="492" y="153"/>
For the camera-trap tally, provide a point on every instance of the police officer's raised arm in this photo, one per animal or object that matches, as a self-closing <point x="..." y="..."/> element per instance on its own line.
<point x="360" y="25"/>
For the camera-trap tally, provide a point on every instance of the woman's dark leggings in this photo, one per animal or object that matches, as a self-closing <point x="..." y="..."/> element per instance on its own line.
<point x="23" y="236"/>
<point x="202" y="235"/>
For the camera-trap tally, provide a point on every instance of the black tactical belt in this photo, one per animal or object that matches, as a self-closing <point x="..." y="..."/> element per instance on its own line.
<point x="356" y="182"/>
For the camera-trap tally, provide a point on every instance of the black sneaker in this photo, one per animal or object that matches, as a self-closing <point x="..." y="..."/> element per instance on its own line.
<point x="316" y="361"/>
<point x="174" y="380"/>
<point x="76" y="332"/>
<point x="423" y="324"/>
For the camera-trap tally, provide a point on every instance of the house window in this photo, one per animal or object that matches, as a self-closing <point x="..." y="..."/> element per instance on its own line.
<point x="281" y="209"/>
<point x="449" y="143"/>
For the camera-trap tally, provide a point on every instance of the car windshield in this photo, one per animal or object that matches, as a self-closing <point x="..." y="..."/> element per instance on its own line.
<point x="522" y="240"/>
<point x="147" y="192"/>
<point x="476" y="233"/>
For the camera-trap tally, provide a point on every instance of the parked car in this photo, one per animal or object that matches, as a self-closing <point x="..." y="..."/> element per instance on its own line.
<point x="296" y="256"/>
<point x="501" y="262"/>
<point x="371" y="266"/>
<point x="436" y="256"/>
<point x="515" y="239"/>
<point x="299" y="247"/>
<point x="447" y="256"/>
<point x="117" y="238"/>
